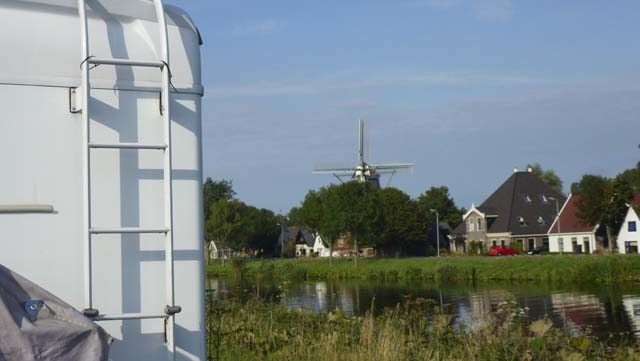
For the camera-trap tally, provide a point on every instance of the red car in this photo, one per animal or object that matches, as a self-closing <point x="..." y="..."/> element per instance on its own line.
<point x="503" y="251"/>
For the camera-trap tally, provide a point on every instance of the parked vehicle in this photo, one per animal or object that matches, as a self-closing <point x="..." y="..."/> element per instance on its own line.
<point x="538" y="250"/>
<point x="503" y="251"/>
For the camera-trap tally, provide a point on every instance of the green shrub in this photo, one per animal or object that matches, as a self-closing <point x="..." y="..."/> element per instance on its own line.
<point x="413" y="273"/>
<point x="446" y="273"/>
<point x="517" y="246"/>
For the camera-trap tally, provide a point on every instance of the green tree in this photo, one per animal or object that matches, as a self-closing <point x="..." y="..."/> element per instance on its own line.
<point x="631" y="177"/>
<point x="616" y="197"/>
<point x="259" y="229"/>
<point x="213" y="191"/>
<point x="438" y="198"/>
<point x="351" y="207"/>
<point x="361" y="209"/>
<point x="603" y="201"/>
<point x="225" y="225"/>
<point x="403" y="226"/>
<point x="309" y="213"/>
<point x="548" y="176"/>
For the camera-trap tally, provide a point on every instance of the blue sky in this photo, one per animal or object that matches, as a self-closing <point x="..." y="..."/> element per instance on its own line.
<point x="466" y="90"/>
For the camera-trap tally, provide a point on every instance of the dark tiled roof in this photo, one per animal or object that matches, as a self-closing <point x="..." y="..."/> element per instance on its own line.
<point x="306" y="236"/>
<point x="521" y="205"/>
<point x="460" y="229"/>
<point x="297" y="234"/>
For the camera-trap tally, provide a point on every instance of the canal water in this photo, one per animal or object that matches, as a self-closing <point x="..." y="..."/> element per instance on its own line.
<point x="601" y="311"/>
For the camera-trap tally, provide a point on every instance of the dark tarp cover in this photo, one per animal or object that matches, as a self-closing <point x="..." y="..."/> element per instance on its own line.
<point x="36" y="325"/>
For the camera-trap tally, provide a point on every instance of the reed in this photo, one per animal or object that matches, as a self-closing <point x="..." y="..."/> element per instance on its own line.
<point x="414" y="330"/>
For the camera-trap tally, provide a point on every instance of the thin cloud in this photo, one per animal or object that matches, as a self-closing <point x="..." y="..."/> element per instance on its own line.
<point x="262" y="27"/>
<point x="426" y="79"/>
<point x="438" y="4"/>
<point x="493" y="10"/>
<point x="485" y="10"/>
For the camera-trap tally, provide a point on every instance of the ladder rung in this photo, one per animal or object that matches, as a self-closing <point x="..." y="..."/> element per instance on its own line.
<point x="127" y="230"/>
<point x="129" y="316"/>
<point x="127" y="146"/>
<point x="129" y="62"/>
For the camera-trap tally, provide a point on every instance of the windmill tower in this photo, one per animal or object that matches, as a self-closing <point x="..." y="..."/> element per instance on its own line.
<point x="363" y="171"/>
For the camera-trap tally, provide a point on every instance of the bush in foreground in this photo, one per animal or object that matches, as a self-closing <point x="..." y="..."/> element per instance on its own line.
<point x="415" y="330"/>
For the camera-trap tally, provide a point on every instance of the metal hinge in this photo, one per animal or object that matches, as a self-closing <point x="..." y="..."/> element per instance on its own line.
<point x="161" y="106"/>
<point x="75" y="100"/>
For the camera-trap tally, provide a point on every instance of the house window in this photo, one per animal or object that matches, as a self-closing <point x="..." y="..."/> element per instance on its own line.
<point x="632" y="226"/>
<point x="494" y="242"/>
<point x="561" y="244"/>
<point x="631" y="247"/>
<point x="540" y="220"/>
<point x="527" y="199"/>
<point x="574" y="244"/>
<point x="479" y="224"/>
<point x="340" y="242"/>
<point x="522" y="221"/>
<point x="502" y="242"/>
<point x="544" y="198"/>
<point x="472" y="225"/>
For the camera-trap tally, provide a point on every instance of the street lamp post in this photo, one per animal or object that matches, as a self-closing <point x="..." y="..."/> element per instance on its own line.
<point x="437" y="230"/>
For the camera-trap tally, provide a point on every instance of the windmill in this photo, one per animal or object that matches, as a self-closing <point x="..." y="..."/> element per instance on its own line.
<point x="363" y="171"/>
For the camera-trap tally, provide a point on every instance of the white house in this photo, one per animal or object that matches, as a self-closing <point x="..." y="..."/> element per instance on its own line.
<point x="319" y="248"/>
<point x="307" y="242"/>
<point x="213" y="250"/>
<point x="568" y="234"/>
<point x="629" y="236"/>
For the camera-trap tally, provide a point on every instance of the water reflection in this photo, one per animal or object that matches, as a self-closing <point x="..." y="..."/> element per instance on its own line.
<point x="632" y="309"/>
<point x="579" y="311"/>
<point x="603" y="312"/>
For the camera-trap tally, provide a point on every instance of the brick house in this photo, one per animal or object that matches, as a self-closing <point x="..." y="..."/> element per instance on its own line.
<point x="521" y="210"/>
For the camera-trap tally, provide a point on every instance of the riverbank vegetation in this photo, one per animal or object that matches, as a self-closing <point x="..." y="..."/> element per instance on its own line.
<point x="415" y="330"/>
<point x="553" y="268"/>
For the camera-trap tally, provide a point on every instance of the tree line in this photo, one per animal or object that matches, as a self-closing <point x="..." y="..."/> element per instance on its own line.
<point x="388" y="219"/>
<point x="232" y="224"/>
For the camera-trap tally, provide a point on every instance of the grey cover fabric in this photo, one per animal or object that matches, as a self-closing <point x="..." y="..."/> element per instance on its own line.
<point x="36" y="325"/>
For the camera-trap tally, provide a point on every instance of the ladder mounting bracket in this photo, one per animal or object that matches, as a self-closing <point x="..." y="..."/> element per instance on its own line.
<point x="75" y="100"/>
<point x="172" y="310"/>
<point x="91" y="312"/>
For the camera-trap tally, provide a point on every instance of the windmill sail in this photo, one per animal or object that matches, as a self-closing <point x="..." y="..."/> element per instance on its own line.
<point x="362" y="171"/>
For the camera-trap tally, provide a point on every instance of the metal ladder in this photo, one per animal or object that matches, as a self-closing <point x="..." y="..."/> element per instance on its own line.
<point x="168" y="314"/>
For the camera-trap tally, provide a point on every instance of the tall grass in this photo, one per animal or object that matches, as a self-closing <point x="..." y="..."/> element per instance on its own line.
<point x="415" y="330"/>
<point x="552" y="268"/>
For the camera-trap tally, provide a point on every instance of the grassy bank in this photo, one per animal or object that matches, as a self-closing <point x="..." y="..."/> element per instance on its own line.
<point x="415" y="330"/>
<point x="552" y="268"/>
